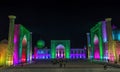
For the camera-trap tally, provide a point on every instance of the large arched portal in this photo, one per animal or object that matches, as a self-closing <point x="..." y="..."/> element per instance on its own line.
<point x="24" y="50"/>
<point x="96" y="48"/>
<point x="60" y="45"/>
<point x="60" y="51"/>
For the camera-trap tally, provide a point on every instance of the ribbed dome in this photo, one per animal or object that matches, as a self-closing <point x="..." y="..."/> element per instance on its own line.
<point x="60" y="46"/>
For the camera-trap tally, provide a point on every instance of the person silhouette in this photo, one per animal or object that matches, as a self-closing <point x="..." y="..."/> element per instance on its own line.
<point x="105" y="66"/>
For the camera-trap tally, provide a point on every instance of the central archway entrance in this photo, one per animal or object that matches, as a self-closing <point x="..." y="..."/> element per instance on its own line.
<point x="96" y="48"/>
<point x="60" y="51"/>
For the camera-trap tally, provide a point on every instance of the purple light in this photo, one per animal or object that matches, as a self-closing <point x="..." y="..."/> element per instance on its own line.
<point x="43" y="56"/>
<point x="15" y="54"/>
<point x="73" y="56"/>
<point x="60" y="54"/>
<point x="96" y="48"/>
<point x="60" y="46"/>
<point x="96" y="39"/>
<point x="104" y="31"/>
<point x="113" y="26"/>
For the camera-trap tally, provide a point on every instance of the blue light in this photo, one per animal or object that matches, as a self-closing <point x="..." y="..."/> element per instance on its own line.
<point x="113" y="35"/>
<point x="40" y="52"/>
<point x="46" y="57"/>
<point x="80" y="55"/>
<point x="43" y="57"/>
<point x="119" y="35"/>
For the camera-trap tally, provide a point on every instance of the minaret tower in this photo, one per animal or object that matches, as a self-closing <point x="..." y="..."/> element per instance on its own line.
<point x="88" y="45"/>
<point x="111" y="52"/>
<point x="9" y="57"/>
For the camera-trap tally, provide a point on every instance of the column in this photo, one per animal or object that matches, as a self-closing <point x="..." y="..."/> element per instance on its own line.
<point x="9" y="57"/>
<point x="88" y="51"/>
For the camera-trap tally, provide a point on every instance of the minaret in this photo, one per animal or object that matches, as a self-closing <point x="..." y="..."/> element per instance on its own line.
<point x="111" y="53"/>
<point x="88" y="45"/>
<point x="9" y="57"/>
<point x="109" y="28"/>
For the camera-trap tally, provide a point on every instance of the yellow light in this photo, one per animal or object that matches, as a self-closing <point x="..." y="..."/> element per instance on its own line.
<point x="9" y="63"/>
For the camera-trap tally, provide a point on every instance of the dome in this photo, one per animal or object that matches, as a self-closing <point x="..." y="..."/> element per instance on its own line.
<point x="40" y="43"/>
<point x="60" y="46"/>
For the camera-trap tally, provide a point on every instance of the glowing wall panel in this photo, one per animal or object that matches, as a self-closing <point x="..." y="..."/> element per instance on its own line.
<point x="104" y="32"/>
<point x="16" y="44"/>
<point x="117" y="51"/>
<point x="116" y="35"/>
<point x="77" y="53"/>
<point x="96" y="48"/>
<point x="3" y="50"/>
<point x="42" y="53"/>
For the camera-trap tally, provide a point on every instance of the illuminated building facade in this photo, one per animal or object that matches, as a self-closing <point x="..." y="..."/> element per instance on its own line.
<point x="22" y="45"/>
<point x="9" y="56"/>
<point x="3" y="50"/>
<point x="60" y="49"/>
<point x="103" y="42"/>
<point x="18" y="49"/>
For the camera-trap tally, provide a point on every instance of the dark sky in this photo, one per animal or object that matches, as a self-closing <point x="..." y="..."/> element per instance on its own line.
<point x="58" y="20"/>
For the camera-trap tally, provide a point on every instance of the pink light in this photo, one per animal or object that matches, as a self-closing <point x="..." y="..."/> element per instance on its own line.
<point x="15" y="53"/>
<point x="61" y="55"/>
<point x="60" y="46"/>
<point x="96" y="48"/>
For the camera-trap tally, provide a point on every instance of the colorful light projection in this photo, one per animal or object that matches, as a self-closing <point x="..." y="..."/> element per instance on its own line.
<point x="96" y="48"/>
<point x="3" y="50"/>
<point x="116" y="35"/>
<point x="16" y="44"/>
<point x="40" y="44"/>
<point x="22" y="49"/>
<point x="89" y="49"/>
<point x="25" y="34"/>
<point x="107" y="40"/>
<point x="66" y="44"/>
<point x="77" y="53"/>
<point x="117" y="46"/>
<point x="9" y="56"/>
<point x="111" y="44"/>
<point x="104" y="31"/>
<point x="35" y="53"/>
<point x="24" y="45"/>
<point x="42" y="53"/>
<point x="60" y="51"/>
<point x="97" y="30"/>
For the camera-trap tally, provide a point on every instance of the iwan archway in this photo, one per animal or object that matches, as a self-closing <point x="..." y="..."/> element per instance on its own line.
<point x="60" y="49"/>
<point x="22" y="45"/>
<point x="97" y="42"/>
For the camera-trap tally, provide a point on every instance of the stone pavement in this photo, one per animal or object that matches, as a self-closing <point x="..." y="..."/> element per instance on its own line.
<point x="71" y="66"/>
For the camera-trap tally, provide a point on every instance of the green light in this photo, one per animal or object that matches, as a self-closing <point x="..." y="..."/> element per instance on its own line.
<point x="40" y="43"/>
<point x="97" y="29"/>
<point x="24" y="33"/>
<point x="65" y="43"/>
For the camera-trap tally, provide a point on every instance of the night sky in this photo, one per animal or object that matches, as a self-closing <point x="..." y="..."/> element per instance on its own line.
<point x="53" y="20"/>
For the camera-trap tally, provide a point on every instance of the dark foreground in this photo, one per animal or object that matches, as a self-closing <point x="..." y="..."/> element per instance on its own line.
<point x="71" y="66"/>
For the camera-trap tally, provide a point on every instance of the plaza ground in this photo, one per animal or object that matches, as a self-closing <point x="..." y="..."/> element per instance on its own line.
<point x="71" y="66"/>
